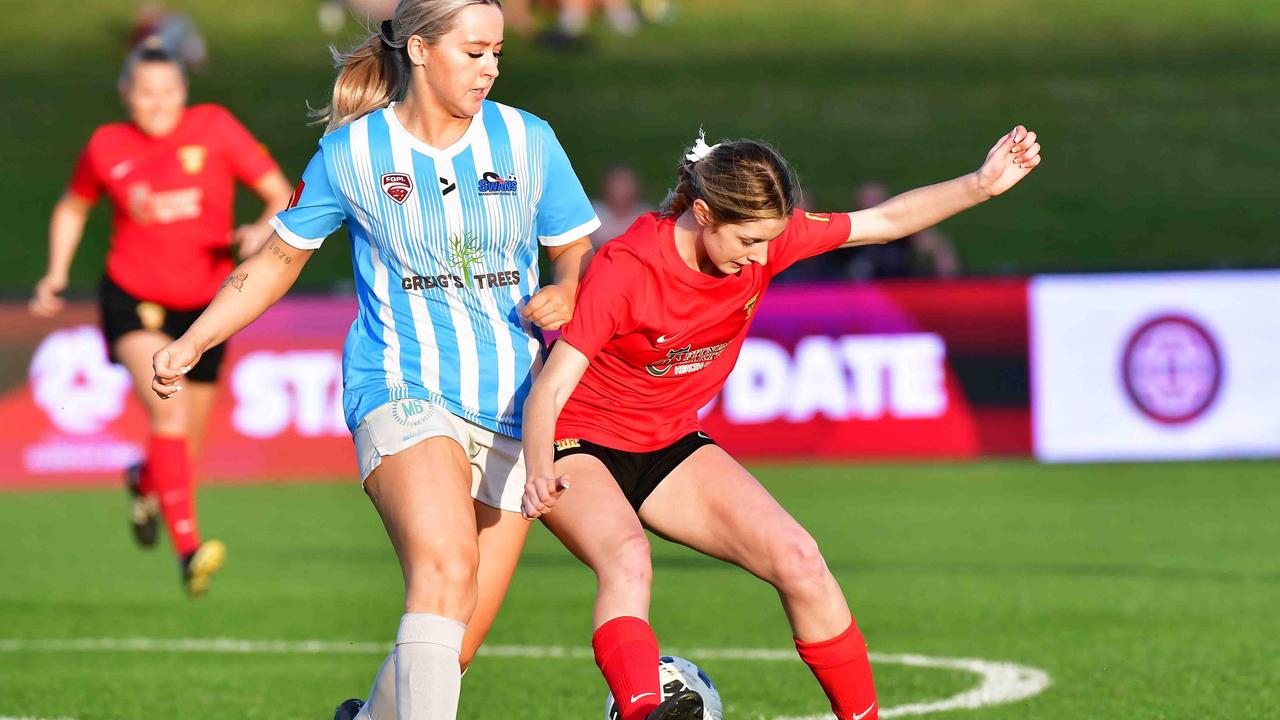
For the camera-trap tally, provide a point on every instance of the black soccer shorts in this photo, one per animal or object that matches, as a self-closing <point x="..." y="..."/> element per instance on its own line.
<point x="637" y="473"/>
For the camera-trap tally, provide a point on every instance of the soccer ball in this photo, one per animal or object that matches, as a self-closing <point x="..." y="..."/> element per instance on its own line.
<point x="676" y="674"/>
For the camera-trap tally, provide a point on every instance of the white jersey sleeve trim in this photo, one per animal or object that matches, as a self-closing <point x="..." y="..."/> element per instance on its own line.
<point x="565" y="238"/>
<point x="293" y="238"/>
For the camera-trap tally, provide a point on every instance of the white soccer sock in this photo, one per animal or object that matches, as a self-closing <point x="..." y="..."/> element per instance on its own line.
<point x="428" y="678"/>
<point x="382" y="698"/>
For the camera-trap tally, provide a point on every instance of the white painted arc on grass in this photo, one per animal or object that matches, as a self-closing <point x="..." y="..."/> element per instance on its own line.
<point x="1001" y="682"/>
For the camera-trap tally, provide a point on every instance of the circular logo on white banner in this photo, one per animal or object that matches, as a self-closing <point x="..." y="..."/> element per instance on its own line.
<point x="1172" y="369"/>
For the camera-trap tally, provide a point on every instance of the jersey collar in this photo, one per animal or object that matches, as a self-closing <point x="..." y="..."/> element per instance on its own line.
<point x="476" y="126"/>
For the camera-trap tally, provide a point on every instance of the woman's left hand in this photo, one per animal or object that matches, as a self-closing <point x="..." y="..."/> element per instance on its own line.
<point x="1012" y="158"/>
<point x="550" y="308"/>
<point x="251" y="237"/>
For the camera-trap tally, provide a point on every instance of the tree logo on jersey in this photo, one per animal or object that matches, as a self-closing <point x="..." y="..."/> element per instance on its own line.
<point x="397" y="186"/>
<point x="191" y="157"/>
<point x="464" y="251"/>
<point x="491" y="183"/>
<point x="685" y="360"/>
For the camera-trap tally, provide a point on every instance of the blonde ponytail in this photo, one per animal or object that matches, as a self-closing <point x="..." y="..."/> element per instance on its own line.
<point x="370" y="76"/>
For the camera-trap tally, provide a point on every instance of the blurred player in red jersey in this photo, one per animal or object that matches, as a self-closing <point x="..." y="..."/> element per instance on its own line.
<point x="170" y="175"/>
<point x="661" y="316"/>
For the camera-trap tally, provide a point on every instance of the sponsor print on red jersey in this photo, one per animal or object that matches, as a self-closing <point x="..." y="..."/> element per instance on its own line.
<point x="172" y="201"/>
<point x="662" y="337"/>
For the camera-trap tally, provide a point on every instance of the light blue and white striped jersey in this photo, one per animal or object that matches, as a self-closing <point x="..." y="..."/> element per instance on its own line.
<point x="444" y="250"/>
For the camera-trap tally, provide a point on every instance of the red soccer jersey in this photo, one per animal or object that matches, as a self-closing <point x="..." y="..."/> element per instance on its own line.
<point x="171" y="200"/>
<point x="662" y="337"/>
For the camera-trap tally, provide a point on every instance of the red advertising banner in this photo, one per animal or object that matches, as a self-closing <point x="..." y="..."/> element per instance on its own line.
<point x="70" y="417"/>
<point x="894" y="370"/>
<point x="833" y="372"/>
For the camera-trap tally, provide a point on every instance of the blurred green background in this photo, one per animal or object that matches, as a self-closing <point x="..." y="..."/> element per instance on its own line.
<point x="1159" y="120"/>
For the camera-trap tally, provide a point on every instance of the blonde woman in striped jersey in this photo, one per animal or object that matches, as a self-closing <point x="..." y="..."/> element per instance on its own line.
<point x="446" y="197"/>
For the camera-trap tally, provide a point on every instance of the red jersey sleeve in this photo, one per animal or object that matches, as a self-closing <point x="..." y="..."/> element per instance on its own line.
<point x="807" y="234"/>
<point x="249" y="158"/>
<point x="612" y="289"/>
<point x="85" y="183"/>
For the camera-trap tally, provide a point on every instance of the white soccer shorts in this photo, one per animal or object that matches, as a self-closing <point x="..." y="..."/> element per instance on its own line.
<point x="497" y="463"/>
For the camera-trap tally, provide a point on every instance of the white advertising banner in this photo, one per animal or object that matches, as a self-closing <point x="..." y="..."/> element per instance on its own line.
<point x="1159" y="366"/>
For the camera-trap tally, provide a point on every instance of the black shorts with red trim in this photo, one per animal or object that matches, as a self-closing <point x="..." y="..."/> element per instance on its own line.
<point x="123" y="313"/>
<point x="637" y="473"/>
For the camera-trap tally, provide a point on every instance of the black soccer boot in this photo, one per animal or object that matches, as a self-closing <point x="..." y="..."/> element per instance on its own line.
<point x="348" y="709"/>
<point x="684" y="705"/>
<point x="144" y="511"/>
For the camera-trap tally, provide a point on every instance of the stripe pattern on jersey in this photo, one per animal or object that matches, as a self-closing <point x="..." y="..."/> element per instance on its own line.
<point x="466" y="348"/>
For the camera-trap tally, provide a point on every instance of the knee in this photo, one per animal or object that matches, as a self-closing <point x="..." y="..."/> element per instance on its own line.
<point x="170" y="419"/>
<point x="797" y="564"/>
<point x="629" y="563"/>
<point x="443" y="581"/>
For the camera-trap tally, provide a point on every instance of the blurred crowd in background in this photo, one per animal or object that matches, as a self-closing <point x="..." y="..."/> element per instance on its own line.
<point x="619" y="197"/>
<point x="557" y="24"/>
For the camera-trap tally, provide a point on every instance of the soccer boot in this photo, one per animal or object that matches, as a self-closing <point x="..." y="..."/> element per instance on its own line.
<point x="684" y="705"/>
<point x="348" y="709"/>
<point x="144" y="511"/>
<point x="199" y="566"/>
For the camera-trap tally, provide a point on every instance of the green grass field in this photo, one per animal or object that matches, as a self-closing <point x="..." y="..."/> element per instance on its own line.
<point x="1143" y="591"/>
<point x="1157" y="118"/>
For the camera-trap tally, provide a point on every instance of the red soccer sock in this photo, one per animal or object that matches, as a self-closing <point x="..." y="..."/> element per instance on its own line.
<point x="842" y="668"/>
<point x="168" y="476"/>
<point x="627" y="653"/>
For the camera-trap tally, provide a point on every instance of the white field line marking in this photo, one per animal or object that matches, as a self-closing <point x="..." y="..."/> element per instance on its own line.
<point x="1001" y="682"/>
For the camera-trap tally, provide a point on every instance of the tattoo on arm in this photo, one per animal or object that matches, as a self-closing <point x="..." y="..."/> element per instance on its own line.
<point x="236" y="280"/>
<point x="280" y="252"/>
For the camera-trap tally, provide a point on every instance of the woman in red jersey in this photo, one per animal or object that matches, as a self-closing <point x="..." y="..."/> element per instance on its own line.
<point x="170" y="175"/>
<point x="661" y="316"/>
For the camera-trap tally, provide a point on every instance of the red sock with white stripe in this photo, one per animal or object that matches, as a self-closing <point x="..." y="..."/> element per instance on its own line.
<point x="627" y="653"/>
<point x="168" y="477"/>
<point x="844" y="672"/>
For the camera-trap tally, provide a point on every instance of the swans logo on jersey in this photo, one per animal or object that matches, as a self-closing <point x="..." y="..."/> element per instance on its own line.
<point x="192" y="158"/>
<point x="397" y="186"/>
<point x="686" y="360"/>
<point x="491" y="183"/>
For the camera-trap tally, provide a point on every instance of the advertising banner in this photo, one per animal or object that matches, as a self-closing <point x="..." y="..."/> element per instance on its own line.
<point x="71" y="418"/>
<point x="1156" y="367"/>
<point x="894" y="370"/>
<point x="830" y="372"/>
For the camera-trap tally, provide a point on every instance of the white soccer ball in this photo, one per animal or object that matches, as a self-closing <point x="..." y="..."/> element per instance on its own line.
<point x="676" y="674"/>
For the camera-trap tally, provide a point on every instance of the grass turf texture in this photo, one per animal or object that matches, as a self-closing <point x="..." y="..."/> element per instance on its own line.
<point x="1157" y="117"/>
<point x="1145" y="591"/>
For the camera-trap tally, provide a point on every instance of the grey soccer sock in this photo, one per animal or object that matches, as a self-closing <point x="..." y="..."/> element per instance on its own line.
<point x="382" y="698"/>
<point x="428" y="679"/>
